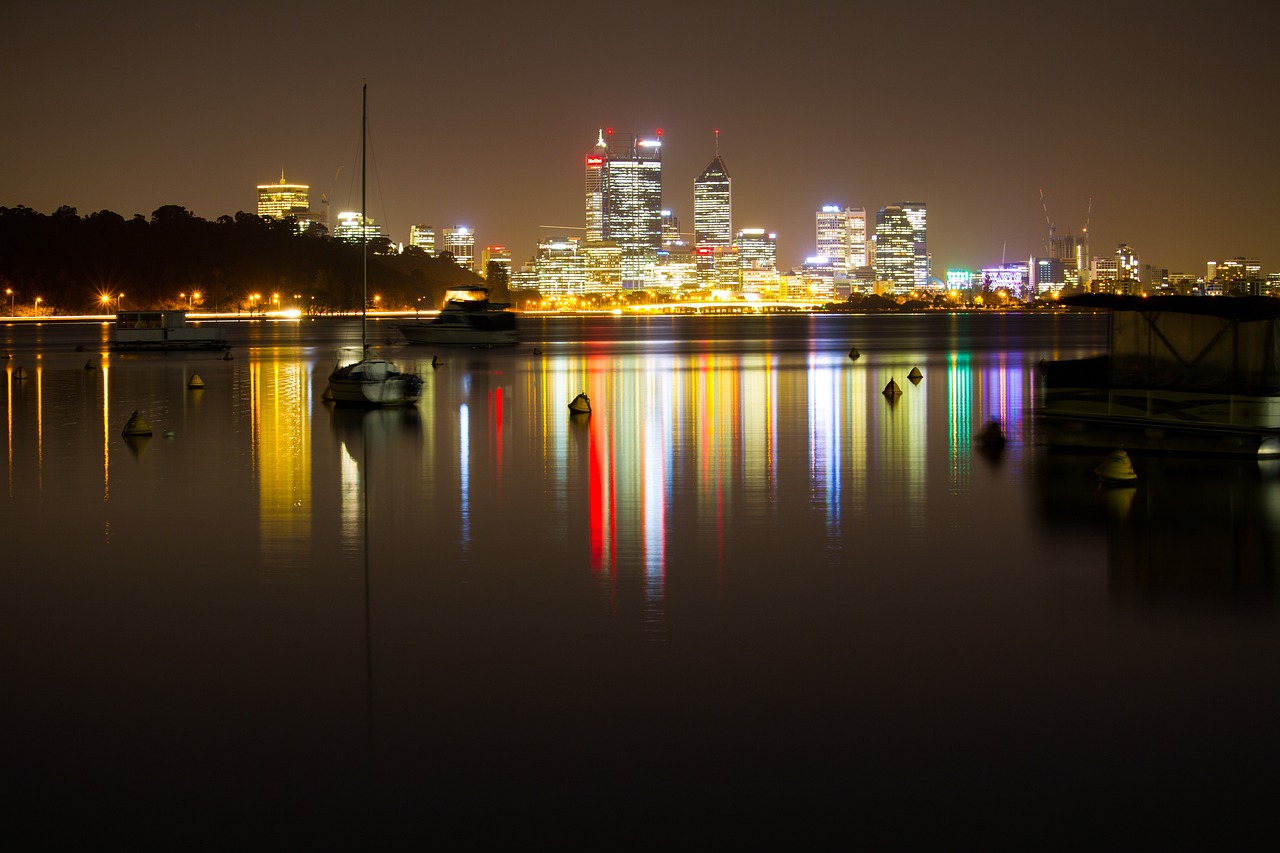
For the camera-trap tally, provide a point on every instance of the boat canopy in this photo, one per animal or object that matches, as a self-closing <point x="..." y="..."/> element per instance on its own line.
<point x="1190" y="343"/>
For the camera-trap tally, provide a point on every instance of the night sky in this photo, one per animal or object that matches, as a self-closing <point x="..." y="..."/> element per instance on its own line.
<point x="480" y="114"/>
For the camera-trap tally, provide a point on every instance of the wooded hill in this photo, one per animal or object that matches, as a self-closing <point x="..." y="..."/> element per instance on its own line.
<point x="235" y="263"/>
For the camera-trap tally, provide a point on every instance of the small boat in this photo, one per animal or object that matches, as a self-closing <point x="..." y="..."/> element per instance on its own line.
<point x="1183" y="374"/>
<point x="365" y="378"/>
<point x="468" y="318"/>
<point x="163" y="331"/>
<point x="371" y="381"/>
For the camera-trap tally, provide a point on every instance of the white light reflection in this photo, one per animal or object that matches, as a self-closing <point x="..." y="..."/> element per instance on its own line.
<point x="656" y="479"/>
<point x="464" y="472"/>
<point x="824" y="439"/>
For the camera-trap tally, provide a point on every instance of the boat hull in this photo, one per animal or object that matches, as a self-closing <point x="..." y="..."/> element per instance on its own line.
<point x="374" y="383"/>
<point x="430" y="333"/>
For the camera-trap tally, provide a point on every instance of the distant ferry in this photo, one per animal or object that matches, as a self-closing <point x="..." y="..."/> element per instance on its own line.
<point x="163" y="331"/>
<point x="468" y="318"/>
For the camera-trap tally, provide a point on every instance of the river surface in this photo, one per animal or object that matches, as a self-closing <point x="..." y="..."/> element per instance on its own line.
<point x="748" y="599"/>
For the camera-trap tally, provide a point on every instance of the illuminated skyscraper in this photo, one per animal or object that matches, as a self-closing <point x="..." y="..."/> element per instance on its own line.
<point x="915" y="211"/>
<point x="499" y="255"/>
<point x="833" y="237"/>
<point x="758" y="249"/>
<point x="349" y="229"/>
<point x="282" y="200"/>
<point x="461" y="243"/>
<point x="424" y="237"/>
<point x="560" y="267"/>
<point x="596" y="159"/>
<point x="856" y="217"/>
<point x="895" y="249"/>
<point x="630" y="201"/>
<point x="713" y="205"/>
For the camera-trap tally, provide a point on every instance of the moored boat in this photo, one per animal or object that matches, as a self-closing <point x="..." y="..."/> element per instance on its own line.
<point x="1181" y="375"/>
<point x="163" y="331"/>
<point x="365" y="378"/>
<point x="468" y="318"/>
<point x="373" y="381"/>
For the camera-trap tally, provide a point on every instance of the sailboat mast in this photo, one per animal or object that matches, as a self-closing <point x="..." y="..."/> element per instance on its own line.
<point x="364" y="231"/>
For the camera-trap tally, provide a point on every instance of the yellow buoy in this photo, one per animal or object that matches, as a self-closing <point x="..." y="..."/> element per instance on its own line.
<point x="537" y="351"/>
<point x="915" y="376"/>
<point x="892" y="391"/>
<point x="89" y="365"/>
<point x="435" y="361"/>
<point x="580" y="405"/>
<point x="1116" y="470"/>
<point x="195" y="383"/>
<point x="226" y="356"/>
<point x="327" y="396"/>
<point x="854" y="354"/>
<point x="20" y="373"/>
<point x="137" y="425"/>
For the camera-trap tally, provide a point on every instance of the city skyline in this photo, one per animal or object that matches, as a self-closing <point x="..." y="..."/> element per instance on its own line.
<point x="983" y="111"/>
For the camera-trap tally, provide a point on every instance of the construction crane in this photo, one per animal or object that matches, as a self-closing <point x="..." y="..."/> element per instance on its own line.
<point x="1048" y="247"/>
<point x="1087" y="216"/>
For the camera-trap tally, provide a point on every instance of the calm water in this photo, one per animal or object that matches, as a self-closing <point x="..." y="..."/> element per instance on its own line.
<point x="747" y="598"/>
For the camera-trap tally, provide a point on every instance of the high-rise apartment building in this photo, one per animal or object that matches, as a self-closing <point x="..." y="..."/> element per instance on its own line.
<point x="461" y="243"/>
<point x="625" y="175"/>
<point x="895" y="249"/>
<point x="423" y="237"/>
<point x="351" y="230"/>
<point x="915" y="211"/>
<point x="282" y="200"/>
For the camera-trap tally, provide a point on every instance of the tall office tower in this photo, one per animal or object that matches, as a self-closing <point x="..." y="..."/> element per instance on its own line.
<point x="630" y="202"/>
<point x="499" y="255"/>
<point x="424" y="237"/>
<point x="283" y="199"/>
<point x="895" y="249"/>
<point x="833" y="237"/>
<point x="461" y="243"/>
<point x="596" y="159"/>
<point x="713" y="205"/>
<point x="857" y="219"/>
<point x="915" y="211"/>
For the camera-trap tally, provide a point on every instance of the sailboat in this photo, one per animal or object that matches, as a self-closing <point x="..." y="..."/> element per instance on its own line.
<point x="370" y="380"/>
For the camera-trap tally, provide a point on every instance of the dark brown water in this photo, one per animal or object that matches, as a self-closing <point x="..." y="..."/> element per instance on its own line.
<point x="748" y="599"/>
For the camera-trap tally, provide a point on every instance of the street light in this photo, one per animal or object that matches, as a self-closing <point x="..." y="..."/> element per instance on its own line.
<point x="9" y="292"/>
<point x="37" y="308"/>
<point x="105" y="299"/>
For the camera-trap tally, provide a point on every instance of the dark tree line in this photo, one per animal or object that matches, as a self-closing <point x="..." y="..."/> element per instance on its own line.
<point x="235" y="263"/>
